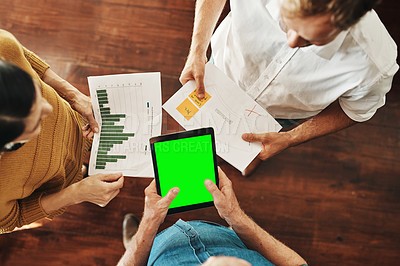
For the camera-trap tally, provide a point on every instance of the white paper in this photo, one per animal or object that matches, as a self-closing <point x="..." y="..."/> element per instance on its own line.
<point x="136" y="101"/>
<point x="229" y="110"/>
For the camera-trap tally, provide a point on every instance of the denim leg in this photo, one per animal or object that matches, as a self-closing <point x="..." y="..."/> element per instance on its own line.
<point x="180" y="244"/>
<point x="192" y="243"/>
<point x="195" y="242"/>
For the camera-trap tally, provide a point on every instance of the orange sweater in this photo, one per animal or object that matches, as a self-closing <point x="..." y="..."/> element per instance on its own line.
<point x="45" y="164"/>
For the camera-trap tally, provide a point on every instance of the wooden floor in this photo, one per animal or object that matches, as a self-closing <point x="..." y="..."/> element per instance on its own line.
<point x="335" y="200"/>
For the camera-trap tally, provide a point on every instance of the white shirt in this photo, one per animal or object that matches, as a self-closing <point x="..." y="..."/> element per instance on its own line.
<point x="357" y="67"/>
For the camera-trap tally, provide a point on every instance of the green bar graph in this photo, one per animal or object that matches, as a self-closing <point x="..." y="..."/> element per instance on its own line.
<point x="111" y="133"/>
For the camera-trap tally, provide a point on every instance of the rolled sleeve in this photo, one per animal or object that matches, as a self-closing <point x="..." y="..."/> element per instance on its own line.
<point x="361" y="104"/>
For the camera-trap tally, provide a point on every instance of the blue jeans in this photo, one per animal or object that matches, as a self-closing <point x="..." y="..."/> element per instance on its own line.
<point x="192" y="243"/>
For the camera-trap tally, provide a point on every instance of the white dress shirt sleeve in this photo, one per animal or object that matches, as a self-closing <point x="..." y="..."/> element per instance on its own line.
<point x="361" y="104"/>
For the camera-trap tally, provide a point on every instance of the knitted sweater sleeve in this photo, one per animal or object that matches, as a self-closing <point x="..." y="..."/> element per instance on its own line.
<point x="24" y="211"/>
<point x="36" y="62"/>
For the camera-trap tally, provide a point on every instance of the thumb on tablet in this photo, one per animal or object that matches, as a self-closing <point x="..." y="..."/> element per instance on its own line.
<point x="171" y="195"/>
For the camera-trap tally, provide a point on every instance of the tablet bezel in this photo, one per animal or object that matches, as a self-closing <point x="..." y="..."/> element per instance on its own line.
<point x="182" y="135"/>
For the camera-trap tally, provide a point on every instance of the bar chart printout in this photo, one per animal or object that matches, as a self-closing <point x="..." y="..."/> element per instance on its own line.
<point x="110" y="133"/>
<point x="128" y="110"/>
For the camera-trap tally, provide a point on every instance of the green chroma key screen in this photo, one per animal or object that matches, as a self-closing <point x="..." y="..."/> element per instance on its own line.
<point x="185" y="161"/>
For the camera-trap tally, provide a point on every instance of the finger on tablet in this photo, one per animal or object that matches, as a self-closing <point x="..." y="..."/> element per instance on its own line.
<point x="171" y="194"/>
<point x="212" y="188"/>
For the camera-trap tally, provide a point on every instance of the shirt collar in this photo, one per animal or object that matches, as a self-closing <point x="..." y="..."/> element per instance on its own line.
<point x="328" y="50"/>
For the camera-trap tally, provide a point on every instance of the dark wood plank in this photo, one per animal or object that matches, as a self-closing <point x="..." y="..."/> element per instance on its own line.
<point x="124" y="34"/>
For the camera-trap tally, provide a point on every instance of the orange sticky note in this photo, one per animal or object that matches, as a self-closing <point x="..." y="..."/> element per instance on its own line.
<point x="187" y="109"/>
<point x="197" y="101"/>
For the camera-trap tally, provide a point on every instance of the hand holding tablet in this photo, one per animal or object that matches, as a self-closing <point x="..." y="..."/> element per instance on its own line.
<point x="185" y="160"/>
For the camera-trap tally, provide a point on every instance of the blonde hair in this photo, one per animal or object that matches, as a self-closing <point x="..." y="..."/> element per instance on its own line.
<point x="345" y="13"/>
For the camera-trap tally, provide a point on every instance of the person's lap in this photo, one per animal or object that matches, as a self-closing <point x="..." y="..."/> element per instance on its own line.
<point x="188" y="243"/>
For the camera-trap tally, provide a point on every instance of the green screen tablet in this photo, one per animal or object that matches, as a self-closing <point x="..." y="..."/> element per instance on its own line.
<point x="185" y="160"/>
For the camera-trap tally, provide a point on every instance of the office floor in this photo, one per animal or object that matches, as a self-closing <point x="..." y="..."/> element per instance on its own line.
<point x="335" y="200"/>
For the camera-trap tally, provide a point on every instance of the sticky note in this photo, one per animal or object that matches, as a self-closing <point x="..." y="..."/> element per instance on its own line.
<point x="187" y="109"/>
<point x="197" y="101"/>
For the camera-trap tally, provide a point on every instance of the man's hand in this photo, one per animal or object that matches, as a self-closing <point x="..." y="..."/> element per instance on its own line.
<point x="99" y="189"/>
<point x="155" y="210"/>
<point x="272" y="143"/>
<point x="252" y="235"/>
<point x="155" y="206"/>
<point x="224" y="198"/>
<point x="194" y="70"/>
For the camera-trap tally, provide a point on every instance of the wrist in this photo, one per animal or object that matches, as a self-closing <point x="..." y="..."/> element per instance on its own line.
<point x="197" y="52"/>
<point x="74" y="193"/>
<point x="150" y="222"/>
<point x="290" y="137"/>
<point x="241" y="223"/>
<point x="67" y="91"/>
<point x="58" y="200"/>
<point x="71" y="95"/>
<point x="236" y="218"/>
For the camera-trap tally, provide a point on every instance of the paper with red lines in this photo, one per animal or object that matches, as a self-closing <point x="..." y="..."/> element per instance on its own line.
<point x="226" y="108"/>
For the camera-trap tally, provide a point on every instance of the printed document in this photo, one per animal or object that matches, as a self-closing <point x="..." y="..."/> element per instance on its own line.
<point x="226" y="108"/>
<point x="127" y="108"/>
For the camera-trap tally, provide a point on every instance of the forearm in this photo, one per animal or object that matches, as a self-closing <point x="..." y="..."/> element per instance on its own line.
<point x="206" y="17"/>
<point x="64" y="198"/>
<point x="139" y="249"/>
<point x="330" y="120"/>
<point x="255" y="238"/>
<point x="63" y="87"/>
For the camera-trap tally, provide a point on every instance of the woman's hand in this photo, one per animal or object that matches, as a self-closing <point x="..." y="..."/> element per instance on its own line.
<point x="99" y="189"/>
<point x="83" y="105"/>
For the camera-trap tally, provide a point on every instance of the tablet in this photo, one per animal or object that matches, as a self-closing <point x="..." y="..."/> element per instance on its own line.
<point x="185" y="160"/>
